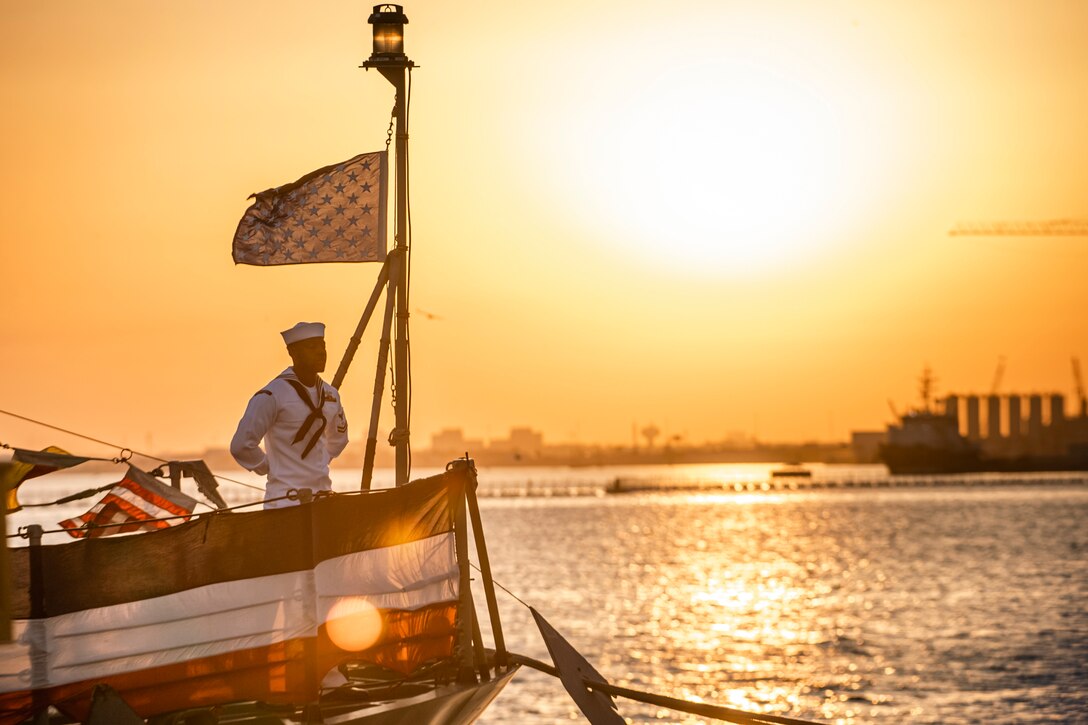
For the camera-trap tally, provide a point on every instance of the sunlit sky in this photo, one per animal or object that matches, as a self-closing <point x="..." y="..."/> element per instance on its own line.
<point x="718" y="217"/>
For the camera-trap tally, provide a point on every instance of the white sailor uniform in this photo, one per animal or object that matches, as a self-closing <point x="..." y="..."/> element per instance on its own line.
<point x="303" y="429"/>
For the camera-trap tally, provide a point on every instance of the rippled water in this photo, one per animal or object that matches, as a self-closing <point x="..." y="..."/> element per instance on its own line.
<point x="926" y="605"/>
<point x="936" y="605"/>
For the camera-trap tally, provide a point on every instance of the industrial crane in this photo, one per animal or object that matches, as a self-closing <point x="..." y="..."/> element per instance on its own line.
<point x="997" y="375"/>
<point x="1080" y="388"/>
<point x="1044" y="228"/>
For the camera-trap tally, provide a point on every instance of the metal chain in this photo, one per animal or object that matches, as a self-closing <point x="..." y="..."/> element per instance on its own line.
<point x="392" y="120"/>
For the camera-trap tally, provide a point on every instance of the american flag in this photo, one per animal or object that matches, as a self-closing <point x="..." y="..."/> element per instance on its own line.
<point x="139" y="502"/>
<point x="334" y="214"/>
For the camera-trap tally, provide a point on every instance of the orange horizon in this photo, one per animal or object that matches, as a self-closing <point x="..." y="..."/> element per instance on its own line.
<point x="741" y="229"/>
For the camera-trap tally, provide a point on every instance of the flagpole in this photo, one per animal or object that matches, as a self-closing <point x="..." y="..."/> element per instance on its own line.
<point x="402" y="395"/>
<point x="388" y="58"/>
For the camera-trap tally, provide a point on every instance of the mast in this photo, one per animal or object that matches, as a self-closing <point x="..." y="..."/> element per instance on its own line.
<point x="389" y="59"/>
<point x="402" y="396"/>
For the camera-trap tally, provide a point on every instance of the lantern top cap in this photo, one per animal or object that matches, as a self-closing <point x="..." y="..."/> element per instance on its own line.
<point x="388" y="13"/>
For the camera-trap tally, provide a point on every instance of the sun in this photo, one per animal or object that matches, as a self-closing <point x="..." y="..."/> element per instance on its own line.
<point x="724" y="166"/>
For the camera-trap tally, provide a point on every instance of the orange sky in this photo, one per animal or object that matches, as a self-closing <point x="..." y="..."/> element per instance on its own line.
<point x="719" y="217"/>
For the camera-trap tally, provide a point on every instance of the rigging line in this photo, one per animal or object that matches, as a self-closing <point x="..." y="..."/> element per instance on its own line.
<point x="114" y="445"/>
<point x="85" y="458"/>
<point x="407" y="191"/>
<point x="497" y="583"/>
<point x="72" y="497"/>
<point x="80" y="435"/>
<point x="717" y="712"/>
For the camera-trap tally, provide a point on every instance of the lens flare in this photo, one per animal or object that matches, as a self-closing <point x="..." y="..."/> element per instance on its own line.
<point x="354" y="624"/>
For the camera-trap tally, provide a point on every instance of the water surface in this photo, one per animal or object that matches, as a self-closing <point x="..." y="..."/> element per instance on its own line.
<point x="925" y="604"/>
<point x="936" y="605"/>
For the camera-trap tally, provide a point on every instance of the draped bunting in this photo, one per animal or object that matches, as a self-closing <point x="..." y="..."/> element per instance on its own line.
<point x="236" y="606"/>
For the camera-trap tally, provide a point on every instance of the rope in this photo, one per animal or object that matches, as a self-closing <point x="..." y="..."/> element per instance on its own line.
<point x="80" y="435"/>
<point x="123" y="450"/>
<point x="73" y="497"/>
<point x="500" y="586"/>
<point x="704" y="709"/>
<point x="119" y="459"/>
<point x="398" y="435"/>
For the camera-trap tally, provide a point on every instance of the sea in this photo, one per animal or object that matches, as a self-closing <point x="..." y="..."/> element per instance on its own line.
<point x="849" y="597"/>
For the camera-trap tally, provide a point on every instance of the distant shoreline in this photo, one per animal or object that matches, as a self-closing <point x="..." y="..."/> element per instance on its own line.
<point x="564" y="455"/>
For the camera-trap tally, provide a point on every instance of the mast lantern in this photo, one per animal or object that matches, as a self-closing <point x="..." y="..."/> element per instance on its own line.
<point x="388" y="21"/>
<point x="388" y="58"/>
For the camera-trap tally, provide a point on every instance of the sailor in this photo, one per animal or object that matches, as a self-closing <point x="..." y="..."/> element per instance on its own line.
<point x="300" y="419"/>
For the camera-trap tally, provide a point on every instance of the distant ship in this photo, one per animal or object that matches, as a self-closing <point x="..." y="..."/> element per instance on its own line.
<point x="929" y="441"/>
<point x="791" y="470"/>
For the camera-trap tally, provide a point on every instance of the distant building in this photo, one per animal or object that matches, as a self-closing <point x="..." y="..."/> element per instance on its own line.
<point x="523" y="442"/>
<point x="865" y="445"/>
<point x="453" y="441"/>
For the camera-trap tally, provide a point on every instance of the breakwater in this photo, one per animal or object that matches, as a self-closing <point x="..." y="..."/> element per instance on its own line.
<point x="636" y="485"/>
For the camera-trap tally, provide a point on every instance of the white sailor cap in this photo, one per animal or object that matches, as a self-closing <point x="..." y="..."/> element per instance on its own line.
<point x="303" y="331"/>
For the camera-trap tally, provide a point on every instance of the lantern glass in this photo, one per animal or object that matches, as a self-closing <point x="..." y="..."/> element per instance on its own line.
<point x="388" y="22"/>
<point x="388" y="39"/>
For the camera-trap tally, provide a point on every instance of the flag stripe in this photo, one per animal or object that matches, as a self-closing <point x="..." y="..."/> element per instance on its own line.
<point x="140" y="495"/>
<point x="268" y="608"/>
<point x="396" y="574"/>
<point x="273" y="672"/>
<point x="127" y="512"/>
<point x="137" y="502"/>
<point x="136" y="509"/>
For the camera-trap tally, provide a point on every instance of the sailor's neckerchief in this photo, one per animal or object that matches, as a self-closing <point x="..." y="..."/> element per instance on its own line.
<point x="316" y="413"/>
